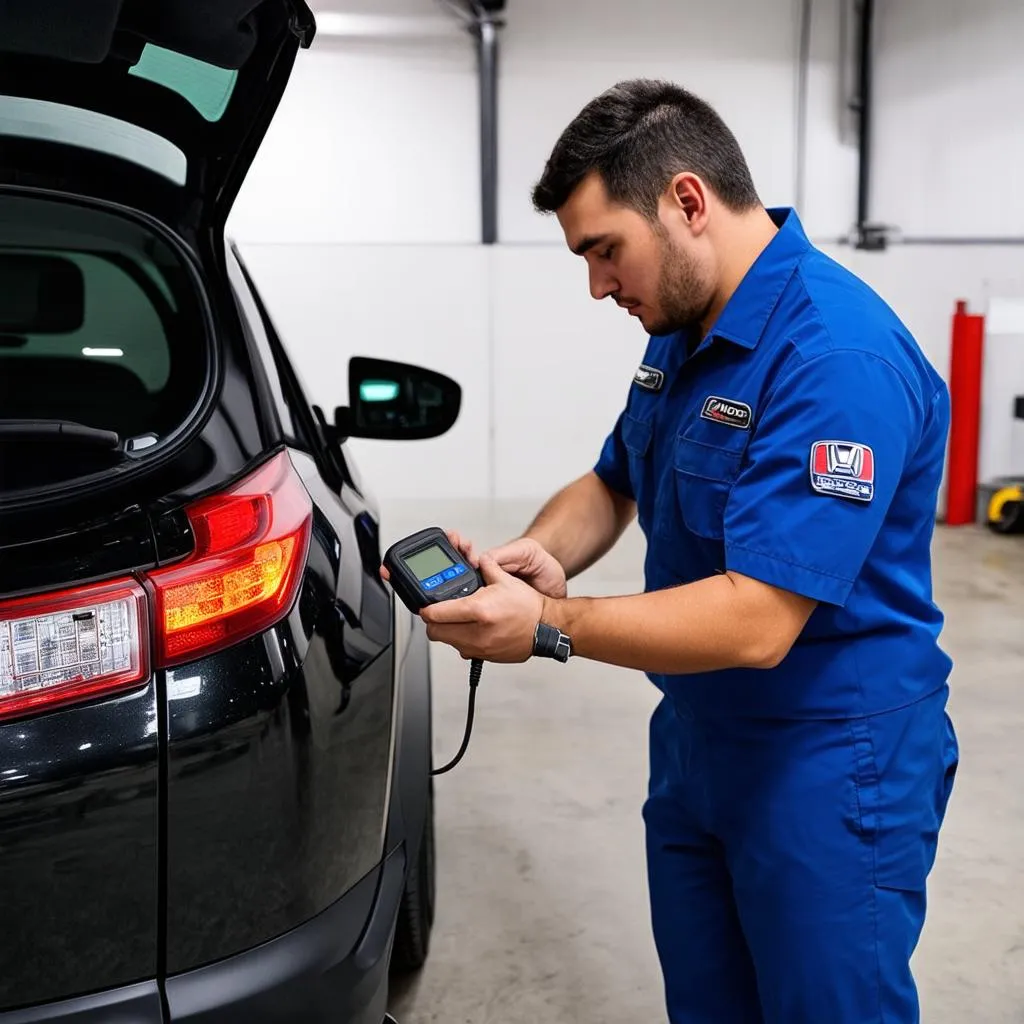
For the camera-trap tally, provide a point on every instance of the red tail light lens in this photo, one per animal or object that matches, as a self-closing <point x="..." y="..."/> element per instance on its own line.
<point x="70" y="646"/>
<point x="245" y="572"/>
<point x="93" y="641"/>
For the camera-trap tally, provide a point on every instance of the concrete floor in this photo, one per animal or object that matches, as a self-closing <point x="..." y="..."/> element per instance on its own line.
<point x="542" y="906"/>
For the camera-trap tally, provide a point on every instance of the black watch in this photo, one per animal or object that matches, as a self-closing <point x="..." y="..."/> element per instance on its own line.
<point x="551" y="642"/>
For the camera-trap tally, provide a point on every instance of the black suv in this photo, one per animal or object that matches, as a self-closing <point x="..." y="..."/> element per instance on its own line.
<point x="215" y="793"/>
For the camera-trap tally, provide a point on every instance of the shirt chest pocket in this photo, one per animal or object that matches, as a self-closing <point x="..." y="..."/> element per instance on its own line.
<point x="703" y="475"/>
<point x="636" y="436"/>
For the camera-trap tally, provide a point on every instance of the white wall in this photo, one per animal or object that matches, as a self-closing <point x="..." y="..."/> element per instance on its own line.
<point x="557" y="56"/>
<point x="361" y="217"/>
<point x="949" y="137"/>
<point x="373" y="142"/>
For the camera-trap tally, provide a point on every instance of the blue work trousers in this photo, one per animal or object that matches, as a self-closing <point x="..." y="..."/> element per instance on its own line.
<point x="787" y="862"/>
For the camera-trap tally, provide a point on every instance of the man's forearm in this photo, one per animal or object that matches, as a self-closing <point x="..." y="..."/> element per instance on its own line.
<point x="717" y="623"/>
<point x="581" y="523"/>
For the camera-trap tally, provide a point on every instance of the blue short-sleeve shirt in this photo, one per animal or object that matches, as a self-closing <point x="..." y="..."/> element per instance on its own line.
<point x="802" y="443"/>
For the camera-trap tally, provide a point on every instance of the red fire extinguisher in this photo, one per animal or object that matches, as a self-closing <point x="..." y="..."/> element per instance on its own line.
<point x="965" y="416"/>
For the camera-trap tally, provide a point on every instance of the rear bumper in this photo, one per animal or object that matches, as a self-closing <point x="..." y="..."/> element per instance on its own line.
<point x="329" y="969"/>
<point x="133" y="1004"/>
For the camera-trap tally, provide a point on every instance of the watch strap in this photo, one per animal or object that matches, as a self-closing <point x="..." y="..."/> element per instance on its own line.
<point x="551" y="642"/>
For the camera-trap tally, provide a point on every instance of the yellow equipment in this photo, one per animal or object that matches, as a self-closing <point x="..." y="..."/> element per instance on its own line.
<point x="1006" y="507"/>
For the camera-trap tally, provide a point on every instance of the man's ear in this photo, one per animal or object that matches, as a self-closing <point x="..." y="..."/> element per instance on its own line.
<point x="688" y="200"/>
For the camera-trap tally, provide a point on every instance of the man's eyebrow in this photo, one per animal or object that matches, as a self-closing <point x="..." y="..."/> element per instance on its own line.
<point x="588" y="243"/>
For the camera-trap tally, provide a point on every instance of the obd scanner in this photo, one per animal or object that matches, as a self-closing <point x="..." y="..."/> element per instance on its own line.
<point x="426" y="569"/>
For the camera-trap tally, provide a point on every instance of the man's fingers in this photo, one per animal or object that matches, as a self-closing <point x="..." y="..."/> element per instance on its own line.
<point x="515" y="551"/>
<point x="491" y="571"/>
<point x="464" y="547"/>
<point x="453" y="635"/>
<point x="462" y="609"/>
<point x="384" y="574"/>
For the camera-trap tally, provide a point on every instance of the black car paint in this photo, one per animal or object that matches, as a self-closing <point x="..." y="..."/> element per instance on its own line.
<point x="79" y="848"/>
<point x="147" y="836"/>
<point x="278" y="765"/>
<point x="107" y="815"/>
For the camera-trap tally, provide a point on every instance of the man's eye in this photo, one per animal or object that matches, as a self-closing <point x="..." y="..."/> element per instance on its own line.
<point x="607" y="254"/>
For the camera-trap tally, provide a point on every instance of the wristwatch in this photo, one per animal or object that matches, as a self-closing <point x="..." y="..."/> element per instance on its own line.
<point x="551" y="642"/>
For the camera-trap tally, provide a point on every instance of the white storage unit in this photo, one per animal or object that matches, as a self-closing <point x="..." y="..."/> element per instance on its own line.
<point x="1002" y="435"/>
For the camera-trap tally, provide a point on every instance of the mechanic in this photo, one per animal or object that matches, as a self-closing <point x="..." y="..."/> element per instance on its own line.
<point x="782" y="445"/>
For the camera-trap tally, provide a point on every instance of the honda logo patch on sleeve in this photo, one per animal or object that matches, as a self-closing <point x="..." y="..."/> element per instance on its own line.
<point x="843" y="469"/>
<point x="649" y="377"/>
<point x="727" y="412"/>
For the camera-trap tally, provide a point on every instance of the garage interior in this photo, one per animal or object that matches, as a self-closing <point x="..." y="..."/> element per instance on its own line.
<point x="407" y="143"/>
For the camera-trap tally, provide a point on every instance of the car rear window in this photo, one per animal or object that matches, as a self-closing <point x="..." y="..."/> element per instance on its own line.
<point x="99" y="323"/>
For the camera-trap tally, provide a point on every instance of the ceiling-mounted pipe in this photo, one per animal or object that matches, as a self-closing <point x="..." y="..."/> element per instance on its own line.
<point x="486" y="31"/>
<point x="486" y="22"/>
<point x="867" y="14"/>
<point x="869" y="236"/>
<point x="802" y="71"/>
<point x="483" y="20"/>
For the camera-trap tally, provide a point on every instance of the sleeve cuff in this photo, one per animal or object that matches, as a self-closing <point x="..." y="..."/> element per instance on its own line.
<point x="613" y="480"/>
<point x="777" y="572"/>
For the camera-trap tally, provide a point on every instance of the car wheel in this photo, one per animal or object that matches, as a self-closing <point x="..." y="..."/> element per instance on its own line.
<point x="1011" y="518"/>
<point x="416" y="913"/>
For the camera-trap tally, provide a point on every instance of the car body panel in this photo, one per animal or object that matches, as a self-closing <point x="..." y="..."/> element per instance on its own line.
<point x="79" y="848"/>
<point x="333" y="967"/>
<point x="278" y="761"/>
<point x="141" y="1003"/>
<point x="230" y="839"/>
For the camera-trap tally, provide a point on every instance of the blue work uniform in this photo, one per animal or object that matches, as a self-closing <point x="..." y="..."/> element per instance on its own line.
<point x="793" y="813"/>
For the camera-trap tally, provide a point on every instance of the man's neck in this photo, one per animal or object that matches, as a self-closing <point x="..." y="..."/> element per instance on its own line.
<point x="744" y="238"/>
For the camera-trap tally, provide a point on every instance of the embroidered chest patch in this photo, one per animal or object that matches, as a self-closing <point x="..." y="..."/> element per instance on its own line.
<point x="727" y="412"/>
<point x="649" y="377"/>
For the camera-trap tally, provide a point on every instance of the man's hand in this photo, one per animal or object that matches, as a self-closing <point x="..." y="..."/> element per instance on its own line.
<point x="496" y="623"/>
<point x="529" y="561"/>
<point x="524" y="558"/>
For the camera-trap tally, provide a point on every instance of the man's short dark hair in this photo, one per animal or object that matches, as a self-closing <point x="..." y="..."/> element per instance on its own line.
<point x="639" y="135"/>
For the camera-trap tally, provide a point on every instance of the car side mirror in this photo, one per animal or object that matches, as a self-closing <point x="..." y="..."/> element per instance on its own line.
<point x="391" y="401"/>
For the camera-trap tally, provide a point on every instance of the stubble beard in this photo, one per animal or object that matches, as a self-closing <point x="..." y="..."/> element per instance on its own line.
<point x="683" y="293"/>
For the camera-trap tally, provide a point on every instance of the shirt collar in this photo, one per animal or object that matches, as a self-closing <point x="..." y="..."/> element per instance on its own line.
<point x="748" y="310"/>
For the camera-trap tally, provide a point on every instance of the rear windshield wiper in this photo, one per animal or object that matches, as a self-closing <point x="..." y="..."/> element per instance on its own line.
<point x="59" y="431"/>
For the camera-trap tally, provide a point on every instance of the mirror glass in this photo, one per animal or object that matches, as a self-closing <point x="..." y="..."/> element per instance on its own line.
<point x="398" y="401"/>
<point x="40" y="294"/>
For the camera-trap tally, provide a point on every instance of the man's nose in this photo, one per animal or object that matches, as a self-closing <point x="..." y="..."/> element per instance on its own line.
<point x="601" y="285"/>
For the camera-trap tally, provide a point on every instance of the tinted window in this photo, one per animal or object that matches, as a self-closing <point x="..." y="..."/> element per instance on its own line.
<point x="99" y="322"/>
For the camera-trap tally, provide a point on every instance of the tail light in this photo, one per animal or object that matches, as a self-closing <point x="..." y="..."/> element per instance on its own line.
<point x="245" y="570"/>
<point x="70" y="646"/>
<point x="242" y="577"/>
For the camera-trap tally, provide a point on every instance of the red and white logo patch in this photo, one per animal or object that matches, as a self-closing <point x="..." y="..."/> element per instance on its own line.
<point x="843" y="469"/>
